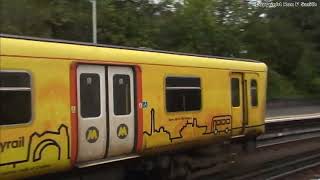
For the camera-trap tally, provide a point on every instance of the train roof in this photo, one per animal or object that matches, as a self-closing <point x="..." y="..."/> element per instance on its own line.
<point x="75" y="50"/>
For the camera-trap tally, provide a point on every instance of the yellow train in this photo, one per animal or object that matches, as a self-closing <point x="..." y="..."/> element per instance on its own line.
<point x="67" y="104"/>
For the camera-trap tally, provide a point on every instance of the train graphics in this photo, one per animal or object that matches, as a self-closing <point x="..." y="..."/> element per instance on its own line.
<point x="189" y="129"/>
<point x="52" y="144"/>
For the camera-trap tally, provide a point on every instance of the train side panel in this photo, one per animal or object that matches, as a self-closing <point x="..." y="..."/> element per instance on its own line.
<point x="163" y="128"/>
<point x="38" y="143"/>
<point x="179" y="99"/>
<point x="212" y="120"/>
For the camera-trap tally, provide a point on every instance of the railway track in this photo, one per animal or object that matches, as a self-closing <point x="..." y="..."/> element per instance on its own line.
<point x="283" y="167"/>
<point x="287" y="137"/>
<point x="286" y="133"/>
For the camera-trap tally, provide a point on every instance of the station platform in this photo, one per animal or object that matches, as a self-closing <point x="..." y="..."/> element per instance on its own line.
<point x="292" y="110"/>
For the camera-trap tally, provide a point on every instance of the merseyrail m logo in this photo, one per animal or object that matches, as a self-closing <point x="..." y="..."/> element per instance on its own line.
<point x="122" y="131"/>
<point x="92" y="134"/>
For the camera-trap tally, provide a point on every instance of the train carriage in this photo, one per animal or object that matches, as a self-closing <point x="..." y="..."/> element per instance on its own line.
<point x="68" y="104"/>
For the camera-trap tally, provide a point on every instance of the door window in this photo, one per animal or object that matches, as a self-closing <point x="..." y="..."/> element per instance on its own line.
<point x="235" y="92"/>
<point x="121" y="92"/>
<point x="254" y="92"/>
<point x="90" y="95"/>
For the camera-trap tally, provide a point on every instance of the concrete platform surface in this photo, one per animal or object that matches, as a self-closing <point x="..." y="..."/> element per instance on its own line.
<point x="292" y="110"/>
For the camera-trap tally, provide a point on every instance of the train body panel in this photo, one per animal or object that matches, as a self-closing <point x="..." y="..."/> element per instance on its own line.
<point x="164" y="128"/>
<point x="147" y="101"/>
<point x="40" y="142"/>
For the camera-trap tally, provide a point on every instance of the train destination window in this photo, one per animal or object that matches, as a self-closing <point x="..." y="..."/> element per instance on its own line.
<point x="254" y="93"/>
<point x="90" y="105"/>
<point x="15" y="98"/>
<point x="235" y="92"/>
<point x="121" y="93"/>
<point x="183" y="94"/>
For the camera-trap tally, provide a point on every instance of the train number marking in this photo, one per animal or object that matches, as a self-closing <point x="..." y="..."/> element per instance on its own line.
<point x="143" y="104"/>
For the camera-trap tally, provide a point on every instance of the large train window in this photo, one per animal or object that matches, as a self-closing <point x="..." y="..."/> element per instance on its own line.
<point x="235" y="92"/>
<point x="15" y="98"/>
<point x="183" y="94"/>
<point x="121" y="92"/>
<point x="254" y="93"/>
<point x="90" y="95"/>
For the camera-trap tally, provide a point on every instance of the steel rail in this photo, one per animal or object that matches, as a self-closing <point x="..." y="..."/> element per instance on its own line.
<point x="287" y="137"/>
<point x="303" y="162"/>
<point x="312" y="165"/>
<point x="284" y="129"/>
<point x="282" y="169"/>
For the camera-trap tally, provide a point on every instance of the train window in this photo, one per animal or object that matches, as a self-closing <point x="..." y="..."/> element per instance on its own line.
<point x="15" y="96"/>
<point x="235" y="92"/>
<point x="254" y="93"/>
<point x="183" y="94"/>
<point x="90" y="105"/>
<point x="121" y="93"/>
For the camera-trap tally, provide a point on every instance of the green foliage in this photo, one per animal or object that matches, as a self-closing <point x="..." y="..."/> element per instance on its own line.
<point x="280" y="87"/>
<point x="315" y="86"/>
<point x="284" y="38"/>
<point x="287" y="39"/>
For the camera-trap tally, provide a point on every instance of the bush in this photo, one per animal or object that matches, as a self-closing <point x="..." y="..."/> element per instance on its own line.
<point x="315" y="86"/>
<point x="279" y="87"/>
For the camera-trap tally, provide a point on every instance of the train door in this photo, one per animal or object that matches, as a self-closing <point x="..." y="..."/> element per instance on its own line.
<point x="237" y="103"/>
<point x="92" y="116"/>
<point x="121" y="110"/>
<point x="251" y="82"/>
<point x="106" y="114"/>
